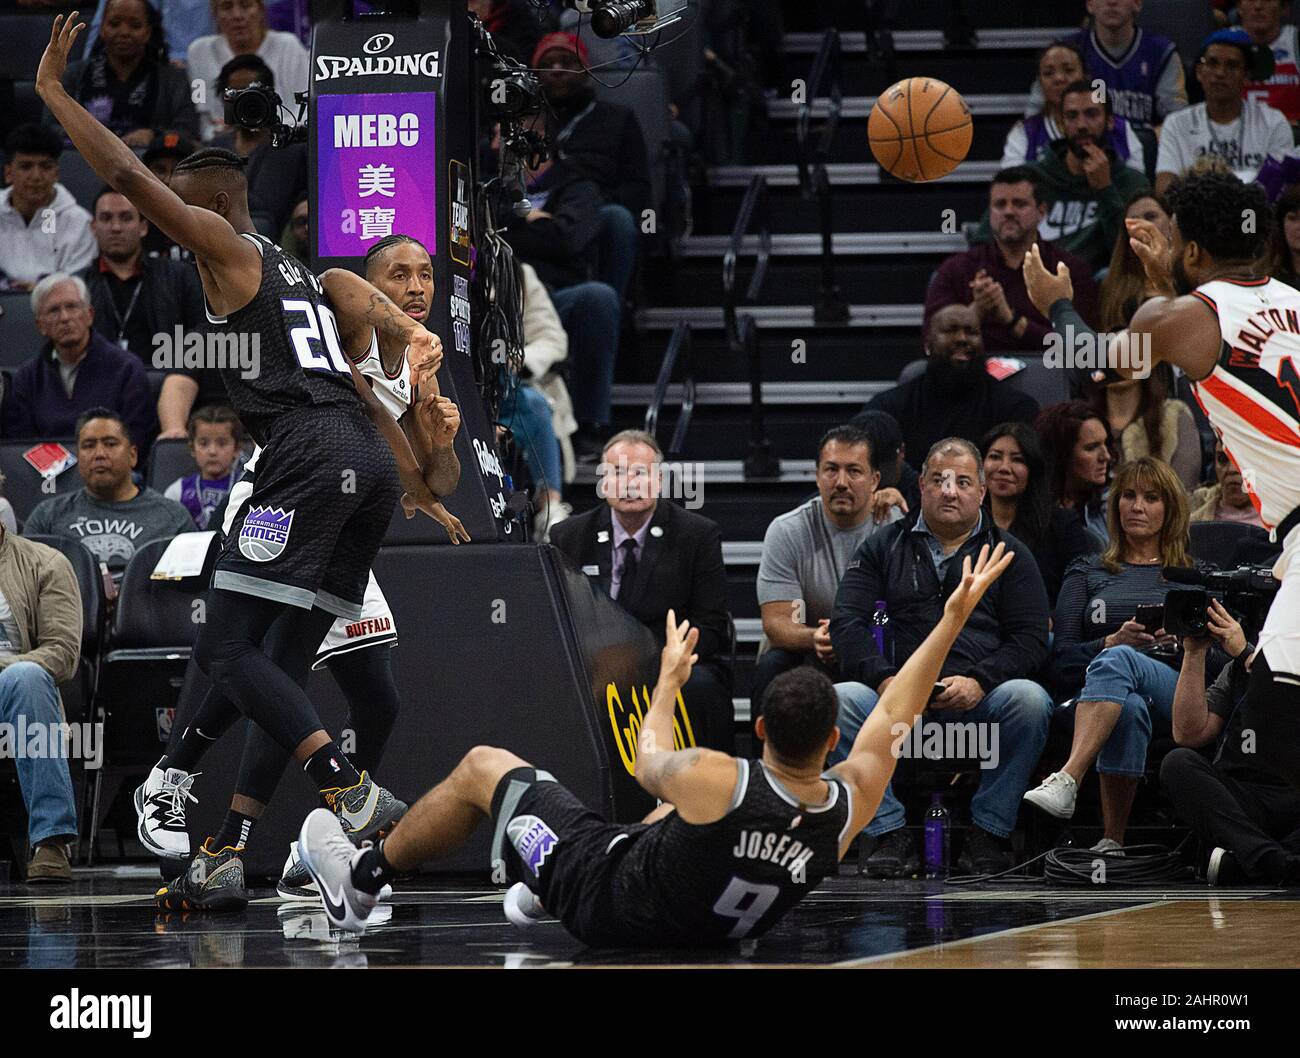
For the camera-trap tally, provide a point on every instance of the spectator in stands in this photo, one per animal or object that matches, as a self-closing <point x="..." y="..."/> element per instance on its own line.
<point x="913" y="565"/>
<point x="161" y="157"/>
<point x="276" y="175"/>
<point x="136" y="296"/>
<point x="183" y="22"/>
<point x="1061" y="64"/>
<point x="1143" y="418"/>
<point x="1284" y="242"/>
<point x="954" y="396"/>
<point x="215" y="438"/>
<point x="242" y="30"/>
<point x="1102" y="654"/>
<point x="1081" y="179"/>
<point x="40" y="643"/>
<point x="295" y="240"/>
<point x="1243" y="132"/>
<point x="1244" y="817"/>
<point x="557" y="238"/>
<point x="888" y="455"/>
<point x="1074" y="440"/>
<point x="126" y="82"/>
<point x="539" y="412"/>
<point x="655" y="556"/>
<point x="111" y="516"/>
<point x="1125" y="285"/>
<point x="42" y="229"/>
<point x="7" y="518"/>
<point x="1020" y="502"/>
<point x="513" y="25"/>
<point x="1267" y="24"/>
<point x="1142" y="71"/>
<point x="989" y="277"/>
<point x="77" y="369"/>
<point x="1226" y="500"/>
<point x="805" y="552"/>
<point x="603" y="142"/>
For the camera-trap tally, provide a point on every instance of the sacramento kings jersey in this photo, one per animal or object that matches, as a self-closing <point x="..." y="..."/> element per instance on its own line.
<point x="1252" y="397"/>
<point x="1145" y="82"/>
<point x="299" y="360"/>
<point x="694" y="884"/>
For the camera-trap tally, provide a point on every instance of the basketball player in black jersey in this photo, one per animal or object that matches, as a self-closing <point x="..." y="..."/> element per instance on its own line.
<point x="733" y="846"/>
<point x="299" y="555"/>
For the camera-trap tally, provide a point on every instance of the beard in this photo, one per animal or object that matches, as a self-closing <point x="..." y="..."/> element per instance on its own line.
<point x="1182" y="281"/>
<point x="951" y="378"/>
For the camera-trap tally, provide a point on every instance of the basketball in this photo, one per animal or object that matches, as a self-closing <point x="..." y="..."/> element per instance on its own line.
<point x="920" y="129"/>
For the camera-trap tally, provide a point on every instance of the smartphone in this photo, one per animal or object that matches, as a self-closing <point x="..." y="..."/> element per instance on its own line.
<point x="1151" y="616"/>
<point x="935" y="691"/>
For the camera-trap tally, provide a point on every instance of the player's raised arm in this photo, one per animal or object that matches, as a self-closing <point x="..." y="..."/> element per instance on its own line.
<point x="698" y="782"/>
<point x="871" y="761"/>
<point x="206" y="233"/>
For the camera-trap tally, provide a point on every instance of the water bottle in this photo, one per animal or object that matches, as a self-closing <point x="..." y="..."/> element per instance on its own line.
<point x="938" y="839"/>
<point x="880" y="630"/>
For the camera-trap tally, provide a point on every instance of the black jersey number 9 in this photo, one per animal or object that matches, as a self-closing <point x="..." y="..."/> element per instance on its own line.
<point x="316" y="340"/>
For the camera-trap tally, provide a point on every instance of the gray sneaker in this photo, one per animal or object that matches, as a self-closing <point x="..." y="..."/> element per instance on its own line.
<point x="367" y="811"/>
<point x="328" y="855"/>
<point x="296" y="885"/>
<point x="214" y="882"/>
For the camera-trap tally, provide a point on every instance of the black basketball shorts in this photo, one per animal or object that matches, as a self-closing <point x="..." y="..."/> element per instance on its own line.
<point x="325" y="491"/>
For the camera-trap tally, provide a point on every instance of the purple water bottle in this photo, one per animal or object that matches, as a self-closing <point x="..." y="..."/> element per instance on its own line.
<point x="937" y="838"/>
<point x="880" y="629"/>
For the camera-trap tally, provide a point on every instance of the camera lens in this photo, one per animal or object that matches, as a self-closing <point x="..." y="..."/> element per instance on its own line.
<point x="619" y="17"/>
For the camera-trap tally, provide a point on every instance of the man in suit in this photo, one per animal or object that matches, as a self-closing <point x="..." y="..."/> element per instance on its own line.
<point x="652" y="557"/>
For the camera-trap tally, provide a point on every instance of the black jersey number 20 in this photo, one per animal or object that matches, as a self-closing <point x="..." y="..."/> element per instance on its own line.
<point x="316" y="339"/>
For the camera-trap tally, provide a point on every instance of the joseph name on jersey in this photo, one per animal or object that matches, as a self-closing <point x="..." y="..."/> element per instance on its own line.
<point x="1252" y="397"/>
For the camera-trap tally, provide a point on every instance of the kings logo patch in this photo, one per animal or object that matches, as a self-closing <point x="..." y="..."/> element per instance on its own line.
<point x="533" y="840"/>
<point x="265" y="533"/>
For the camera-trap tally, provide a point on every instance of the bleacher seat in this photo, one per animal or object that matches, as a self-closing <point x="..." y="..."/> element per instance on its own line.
<point x="1047" y="385"/>
<point x="646" y="92"/>
<point x="1220" y="543"/>
<point x="19" y="338"/>
<point x="82" y="182"/>
<point x="148" y="645"/>
<point x="24" y="487"/>
<point x="1186" y="24"/>
<point x="79" y="691"/>
<point x="22" y="42"/>
<point x="169" y="460"/>
<point x="27" y="104"/>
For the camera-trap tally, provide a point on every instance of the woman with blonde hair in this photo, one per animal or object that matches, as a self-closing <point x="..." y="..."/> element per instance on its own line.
<point x="242" y="30"/>
<point x="1110" y="651"/>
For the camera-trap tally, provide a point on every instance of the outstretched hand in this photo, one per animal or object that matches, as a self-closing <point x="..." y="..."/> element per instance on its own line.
<point x="976" y="580"/>
<point x="679" y="655"/>
<point x="55" y="60"/>
<point x="1046" y="289"/>
<point x="1155" y="253"/>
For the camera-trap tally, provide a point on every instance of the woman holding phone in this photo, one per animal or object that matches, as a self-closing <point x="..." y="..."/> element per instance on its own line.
<point x="1109" y="642"/>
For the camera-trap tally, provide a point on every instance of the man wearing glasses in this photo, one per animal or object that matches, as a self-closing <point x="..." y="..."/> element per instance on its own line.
<point x="1243" y="132"/>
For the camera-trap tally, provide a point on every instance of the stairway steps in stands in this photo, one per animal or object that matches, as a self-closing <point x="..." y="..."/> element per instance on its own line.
<point x="1004" y="16"/>
<point x="856" y="208"/>
<point x="1005" y="72"/>
<point x="797" y="280"/>
<point x="799" y="317"/>
<point x="776" y="144"/>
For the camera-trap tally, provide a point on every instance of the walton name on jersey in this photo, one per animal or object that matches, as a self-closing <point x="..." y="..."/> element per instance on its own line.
<point x="780" y="849"/>
<point x="1260" y="326"/>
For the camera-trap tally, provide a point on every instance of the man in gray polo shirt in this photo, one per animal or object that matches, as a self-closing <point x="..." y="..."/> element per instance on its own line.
<point x="805" y="553"/>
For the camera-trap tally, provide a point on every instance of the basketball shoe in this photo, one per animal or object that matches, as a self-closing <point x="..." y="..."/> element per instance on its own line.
<point x="214" y="882"/>
<point x="366" y="811"/>
<point x="160" y="804"/>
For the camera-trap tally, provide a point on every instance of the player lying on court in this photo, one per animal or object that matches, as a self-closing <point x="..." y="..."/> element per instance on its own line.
<point x="734" y="845"/>
<point x="1236" y="336"/>
<point x="358" y="659"/>
<point x="301" y="552"/>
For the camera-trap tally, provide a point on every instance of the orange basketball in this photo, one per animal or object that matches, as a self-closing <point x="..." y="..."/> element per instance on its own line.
<point x="920" y="129"/>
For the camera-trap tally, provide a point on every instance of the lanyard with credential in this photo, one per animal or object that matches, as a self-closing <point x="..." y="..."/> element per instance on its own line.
<point x="121" y="319"/>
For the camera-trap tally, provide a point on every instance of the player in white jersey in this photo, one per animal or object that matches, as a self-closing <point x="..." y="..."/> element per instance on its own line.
<point x="1236" y="336"/>
<point x="365" y="676"/>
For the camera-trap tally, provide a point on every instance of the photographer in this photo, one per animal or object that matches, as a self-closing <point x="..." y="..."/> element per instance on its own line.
<point x="1247" y="819"/>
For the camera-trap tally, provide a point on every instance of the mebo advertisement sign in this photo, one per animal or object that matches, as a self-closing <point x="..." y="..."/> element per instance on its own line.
<point x="376" y="158"/>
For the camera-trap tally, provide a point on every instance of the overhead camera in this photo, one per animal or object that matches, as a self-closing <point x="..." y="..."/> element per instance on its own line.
<point x="1246" y="593"/>
<point x="258" y="107"/>
<point x="613" y="18"/>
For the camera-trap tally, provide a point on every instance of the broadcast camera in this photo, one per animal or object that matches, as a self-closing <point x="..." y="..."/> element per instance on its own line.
<point x="613" y="18"/>
<point x="1246" y="593"/>
<point x="258" y="107"/>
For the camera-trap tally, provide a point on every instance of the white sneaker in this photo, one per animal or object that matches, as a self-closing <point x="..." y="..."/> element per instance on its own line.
<point x="1109" y="846"/>
<point x="328" y="856"/>
<point x="522" y="907"/>
<point x="1055" y="795"/>
<point x="296" y="884"/>
<point x="160" y="812"/>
